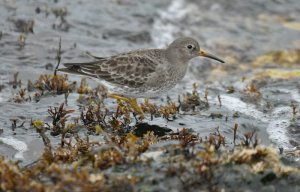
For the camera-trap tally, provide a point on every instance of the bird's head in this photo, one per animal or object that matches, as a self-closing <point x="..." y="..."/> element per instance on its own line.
<point x="186" y="48"/>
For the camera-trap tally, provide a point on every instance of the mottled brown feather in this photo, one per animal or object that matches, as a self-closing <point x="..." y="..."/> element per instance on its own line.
<point x="143" y="73"/>
<point x="122" y="70"/>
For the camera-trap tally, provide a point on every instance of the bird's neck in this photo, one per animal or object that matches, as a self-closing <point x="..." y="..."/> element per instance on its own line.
<point x="176" y="61"/>
<point x="176" y="56"/>
<point x="177" y="68"/>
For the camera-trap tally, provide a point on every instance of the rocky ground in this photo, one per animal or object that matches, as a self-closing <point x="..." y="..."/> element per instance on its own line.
<point x="231" y="127"/>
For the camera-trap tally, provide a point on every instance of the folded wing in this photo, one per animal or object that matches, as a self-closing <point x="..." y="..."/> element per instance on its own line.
<point x="131" y="71"/>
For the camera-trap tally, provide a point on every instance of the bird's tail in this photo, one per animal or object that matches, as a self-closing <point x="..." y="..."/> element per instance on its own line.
<point x="76" y="68"/>
<point x="67" y="70"/>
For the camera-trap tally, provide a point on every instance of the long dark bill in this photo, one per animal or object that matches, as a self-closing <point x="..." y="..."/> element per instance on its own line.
<point x="208" y="55"/>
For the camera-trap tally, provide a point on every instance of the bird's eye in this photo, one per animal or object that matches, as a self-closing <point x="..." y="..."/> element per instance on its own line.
<point x="190" y="46"/>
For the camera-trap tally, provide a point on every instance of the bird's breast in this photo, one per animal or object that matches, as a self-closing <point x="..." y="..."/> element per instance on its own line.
<point x="177" y="72"/>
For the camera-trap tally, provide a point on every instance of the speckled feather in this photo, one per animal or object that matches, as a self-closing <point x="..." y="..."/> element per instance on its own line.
<point x="132" y="69"/>
<point x="141" y="73"/>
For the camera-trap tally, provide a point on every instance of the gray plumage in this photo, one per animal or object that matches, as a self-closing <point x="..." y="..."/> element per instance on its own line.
<point x="141" y="73"/>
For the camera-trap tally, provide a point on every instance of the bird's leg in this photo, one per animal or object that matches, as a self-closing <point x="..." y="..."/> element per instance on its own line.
<point x="132" y="102"/>
<point x="118" y="97"/>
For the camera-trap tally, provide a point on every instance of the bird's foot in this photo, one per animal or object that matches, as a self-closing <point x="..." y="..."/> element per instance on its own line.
<point x="132" y="102"/>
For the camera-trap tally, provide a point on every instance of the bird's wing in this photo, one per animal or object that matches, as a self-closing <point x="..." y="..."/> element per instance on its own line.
<point x="131" y="71"/>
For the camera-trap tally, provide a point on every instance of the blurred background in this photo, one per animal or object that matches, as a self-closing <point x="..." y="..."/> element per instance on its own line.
<point x="258" y="39"/>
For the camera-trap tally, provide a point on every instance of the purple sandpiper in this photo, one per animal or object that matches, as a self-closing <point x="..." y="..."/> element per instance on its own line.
<point x="142" y="73"/>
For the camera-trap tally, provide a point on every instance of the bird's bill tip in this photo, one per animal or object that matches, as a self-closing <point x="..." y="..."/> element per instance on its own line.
<point x="211" y="56"/>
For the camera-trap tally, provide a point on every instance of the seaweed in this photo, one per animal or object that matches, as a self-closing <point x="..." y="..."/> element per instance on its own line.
<point x="82" y="164"/>
<point x="294" y="110"/>
<point x="59" y="116"/>
<point x="22" y="41"/>
<point x="192" y="101"/>
<point x="15" y="82"/>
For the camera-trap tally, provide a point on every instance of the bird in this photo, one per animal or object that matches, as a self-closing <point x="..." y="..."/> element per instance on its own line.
<point x="142" y="73"/>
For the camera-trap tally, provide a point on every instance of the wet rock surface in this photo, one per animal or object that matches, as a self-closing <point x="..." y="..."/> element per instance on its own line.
<point x="256" y="91"/>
